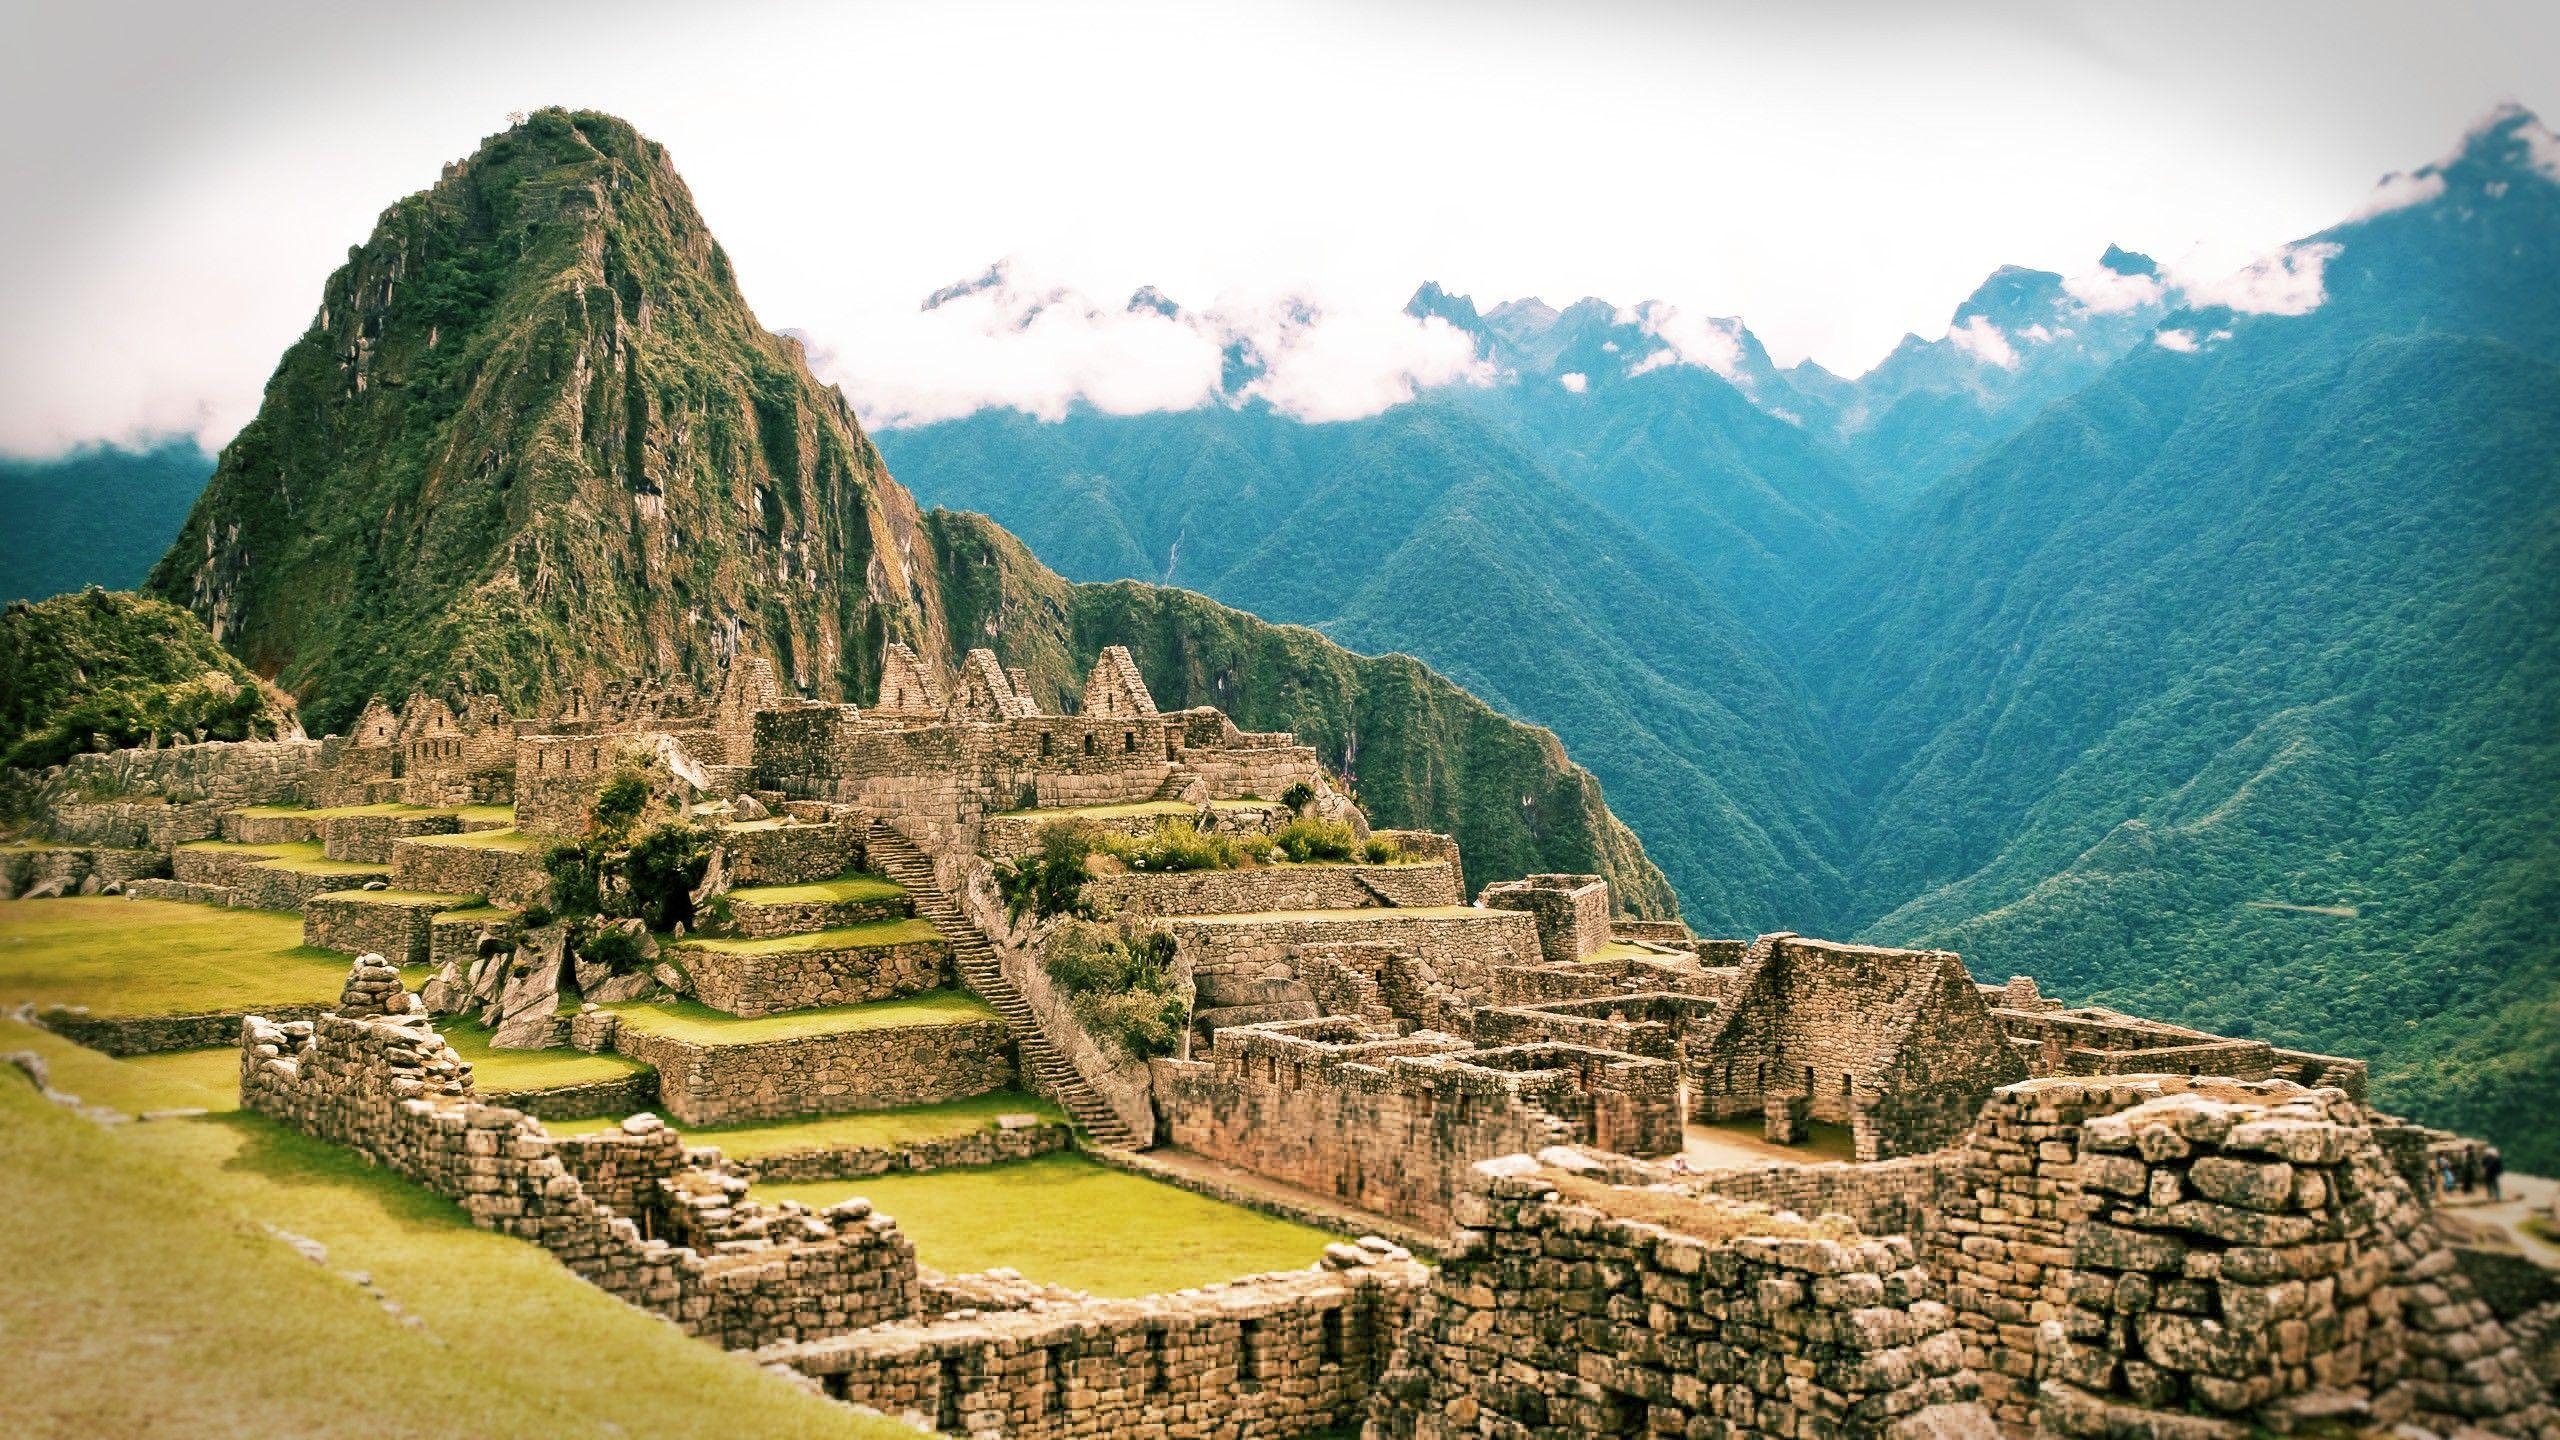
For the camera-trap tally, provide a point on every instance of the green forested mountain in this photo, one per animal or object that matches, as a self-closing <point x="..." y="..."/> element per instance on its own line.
<point x="535" y="437"/>
<point x="103" y="667"/>
<point x="2225" y="690"/>
<point x="1428" y="530"/>
<point x="96" y="516"/>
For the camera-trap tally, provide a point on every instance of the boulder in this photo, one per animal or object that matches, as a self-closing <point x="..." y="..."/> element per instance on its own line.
<point x="528" y="1002"/>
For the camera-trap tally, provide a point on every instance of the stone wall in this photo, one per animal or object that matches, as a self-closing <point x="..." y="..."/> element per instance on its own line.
<point x="509" y="877"/>
<point x="993" y="1145"/>
<point x="752" y="983"/>
<point x="1570" y="1307"/>
<point x="368" y="837"/>
<point x="1572" y="911"/>
<point x="1273" y="1357"/>
<point x="1274" y="887"/>
<point x="74" y="869"/>
<point x="149" y="823"/>
<point x="1013" y="836"/>
<point x="158" y="1034"/>
<point x="1463" y="952"/>
<point x="223" y="773"/>
<point x="783" y="853"/>
<point x="388" y="923"/>
<point x="1391" y="1123"/>
<point x="388" y="1087"/>
<point x="829" y="1074"/>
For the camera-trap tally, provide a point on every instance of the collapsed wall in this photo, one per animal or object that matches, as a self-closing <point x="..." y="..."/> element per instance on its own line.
<point x="656" y="1230"/>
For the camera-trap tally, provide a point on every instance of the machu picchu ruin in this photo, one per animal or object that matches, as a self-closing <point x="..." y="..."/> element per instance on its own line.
<point x="1610" y="1177"/>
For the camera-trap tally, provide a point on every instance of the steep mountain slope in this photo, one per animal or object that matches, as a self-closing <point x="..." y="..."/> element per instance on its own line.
<point x="1421" y="750"/>
<point x="1426" y="530"/>
<point x="96" y="516"/>
<point x="535" y="438"/>
<point x="2223" y="690"/>
<point x="101" y="666"/>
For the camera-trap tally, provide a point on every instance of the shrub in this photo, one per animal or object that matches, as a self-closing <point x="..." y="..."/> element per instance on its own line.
<point x="1050" y="881"/>
<point x="660" y="872"/>
<point x="1299" y="796"/>
<point x="615" y="949"/>
<point x="1380" y="852"/>
<point x="1173" y="848"/>
<point x="1303" y="840"/>
<point x="1120" y="986"/>
<point x="650" y="878"/>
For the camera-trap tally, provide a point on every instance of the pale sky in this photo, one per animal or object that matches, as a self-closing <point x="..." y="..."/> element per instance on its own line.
<point x="179" y="179"/>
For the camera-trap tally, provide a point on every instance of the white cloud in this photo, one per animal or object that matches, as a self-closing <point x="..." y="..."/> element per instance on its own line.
<point x="1710" y="342"/>
<point x="1575" y="381"/>
<point x="2037" y="333"/>
<point x="2106" y="292"/>
<point x="1982" y="340"/>
<point x="2182" y="341"/>
<point x="1340" y="366"/>
<point x="2287" y="282"/>
<point x="2398" y="191"/>
<point x="2541" y="148"/>
<point x="1655" y="361"/>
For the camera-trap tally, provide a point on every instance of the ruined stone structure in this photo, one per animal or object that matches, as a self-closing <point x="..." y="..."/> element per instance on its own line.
<point x="2051" y="1219"/>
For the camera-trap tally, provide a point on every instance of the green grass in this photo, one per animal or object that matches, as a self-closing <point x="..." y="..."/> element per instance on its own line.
<point x="699" y="1024"/>
<point x="468" y="813"/>
<point x="1413" y="912"/>
<point x="159" y="957"/>
<point x="476" y="912"/>
<point x="180" y="1080"/>
<point x="185" y="1316"/>
<point x="510" y="839"/>
<point x="502" y="1072"/>
<point x="398" y="897"/>
<point x="1630" y="950"/>
<point x="845" y="937"/>
<point x="860" y="885"/>
<point x="876" y="1129"/>
<point x="1065" y="1220"/>
<point x="303" y="857"/>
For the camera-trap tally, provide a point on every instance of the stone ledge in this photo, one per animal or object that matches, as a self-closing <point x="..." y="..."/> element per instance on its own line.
<point x="836" y="1073"/>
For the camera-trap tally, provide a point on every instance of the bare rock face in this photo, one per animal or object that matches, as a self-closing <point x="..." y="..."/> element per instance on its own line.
<point x="528" y="1004"/>
<point x="448" y="993"/>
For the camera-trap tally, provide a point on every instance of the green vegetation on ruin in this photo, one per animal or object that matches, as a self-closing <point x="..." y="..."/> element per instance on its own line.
<point x="477" y="912"/>
<point x="103" y="666"/>
<point x="1065" y="1220"/>
<point x="860" y="885"/>
<point x="125" y="957"/>
<point x="698" y="1024"/>
<point x="1131" y="810"/>
<point x="192" y="1311"/>
<point x="498" y="1073"/>
<point x="843" y="937"/>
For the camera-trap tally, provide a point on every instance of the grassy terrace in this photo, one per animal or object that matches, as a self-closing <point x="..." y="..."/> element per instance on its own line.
<point x="386" y="807"/>
<point x="1128" y="1235"/>
<point x="860" y="885"/>
<point x="1631" y="950"/>
<point x="185" y="1314"/>
<point x="159" y="957"/>
<point x="843" y="937"/>
<point x="510" y="839"/>
<point x="872" y="1129"/>
<point x="1415" y="912"/>
<point x="448" y="903"/>
<point x="1135" y="808"/>
<point x="699" y="1024"/>
<point x="503" y="1072"/>
<point x="303" y="857"/>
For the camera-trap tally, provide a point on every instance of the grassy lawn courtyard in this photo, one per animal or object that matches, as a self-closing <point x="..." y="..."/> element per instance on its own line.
<point x="159" y="957"/>
<point x="496" y="1073"/>
<point x="302" y="857"/>
<point x="503" y="839"/>
<point x="170" y="1304"/>
<point x="1068" y="1221"/>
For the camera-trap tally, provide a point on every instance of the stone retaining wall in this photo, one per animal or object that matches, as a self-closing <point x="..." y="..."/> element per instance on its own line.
<point x="1273" y="1357"/>
<point x="623" y="1095"/>
<point x="765" y="920"/>
<point x="1274" y="887"/>
<point x="391" y="1089"/>
<point x="1464" y="952"/>
<point x="771" y="983"/>
<point x="287" y="829"/>
<point x="361" y="921"/>
<point x="791" y="854"/>
<point x="368" y="837"/>
<point x="509" y="877"/>
<point x="1566" y="1307"/>
<point x="990" y="1145"/>
<point x="144" y="824"/>
<point x="225" y="773"/>
<point x="160" y="1034"/>
<point x="833" y="1074"/>
<point x="76" y="869"/>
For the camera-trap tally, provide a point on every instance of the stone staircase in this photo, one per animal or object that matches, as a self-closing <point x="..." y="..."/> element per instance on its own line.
<point x="897" y="857"/>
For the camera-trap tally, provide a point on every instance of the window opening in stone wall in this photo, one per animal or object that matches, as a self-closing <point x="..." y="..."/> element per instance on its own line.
<point x="1048" y="743"/>
<point x="1848" y="1082"/>
<point x="1249" y="1354"/>
<point x="1158" y="1381"/>
<point x="947" y="1405"/>
<point x="1053" y="1393"/>
<point x="1088" y="744"/>
<point x="1330" y="1340"/>
<point x="1128" y="742"/>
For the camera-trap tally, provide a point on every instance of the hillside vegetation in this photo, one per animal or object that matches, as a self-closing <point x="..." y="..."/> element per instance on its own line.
<point x="105" y="670"/>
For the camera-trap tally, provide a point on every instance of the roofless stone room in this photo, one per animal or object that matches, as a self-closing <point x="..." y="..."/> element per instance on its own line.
<point x="1231" y="826"/>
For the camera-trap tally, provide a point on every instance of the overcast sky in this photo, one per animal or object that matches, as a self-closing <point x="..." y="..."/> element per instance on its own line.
<point x="179" y="179"/>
